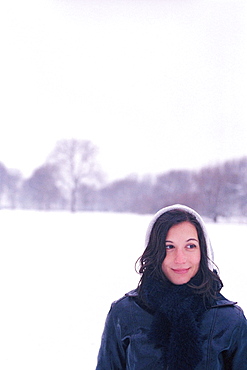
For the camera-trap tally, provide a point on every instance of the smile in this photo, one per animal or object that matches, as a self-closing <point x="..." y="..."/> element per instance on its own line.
<point x="180" y="271"/>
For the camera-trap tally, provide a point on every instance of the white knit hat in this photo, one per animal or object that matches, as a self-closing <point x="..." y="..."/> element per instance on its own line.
<point x="210" y="252"/>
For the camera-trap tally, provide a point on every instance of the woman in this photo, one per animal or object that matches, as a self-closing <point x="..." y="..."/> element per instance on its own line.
<point x="176" y="319"/>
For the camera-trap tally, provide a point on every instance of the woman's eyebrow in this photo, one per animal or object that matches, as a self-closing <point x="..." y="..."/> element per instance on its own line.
<point x="196" y="240"/>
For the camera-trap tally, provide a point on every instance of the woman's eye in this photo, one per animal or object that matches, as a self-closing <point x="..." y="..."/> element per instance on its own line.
<point x="169" y="246"/>
<point x="191" y="246"/>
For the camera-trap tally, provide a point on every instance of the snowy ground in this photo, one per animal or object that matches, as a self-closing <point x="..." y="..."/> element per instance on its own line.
<point x="61" y="271"/>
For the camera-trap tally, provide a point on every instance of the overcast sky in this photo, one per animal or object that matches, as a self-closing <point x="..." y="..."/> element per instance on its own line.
<point x="155" y="85"/>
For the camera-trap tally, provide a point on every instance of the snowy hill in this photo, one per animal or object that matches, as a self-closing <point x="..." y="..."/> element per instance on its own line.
<point x="61" y="271"/>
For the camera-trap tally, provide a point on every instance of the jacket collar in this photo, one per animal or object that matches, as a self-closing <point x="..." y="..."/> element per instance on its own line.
<point x="221" y="301"/>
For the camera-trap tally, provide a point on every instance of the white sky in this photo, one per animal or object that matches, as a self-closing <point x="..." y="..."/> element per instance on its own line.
<point x="154" y="84"/>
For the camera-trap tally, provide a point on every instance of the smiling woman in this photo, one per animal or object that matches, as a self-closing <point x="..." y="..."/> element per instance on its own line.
<point x="176" y="318"/>
<point x="182" y="253"/>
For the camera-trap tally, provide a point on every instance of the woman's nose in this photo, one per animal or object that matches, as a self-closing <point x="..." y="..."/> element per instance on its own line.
<point x="180" y="257"/>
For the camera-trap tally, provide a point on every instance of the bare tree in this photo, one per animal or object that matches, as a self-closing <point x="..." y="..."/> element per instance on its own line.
<point x="212" y="187"/>
<point x="40" y="190"/>
<point x="120" y="195"/>
<point x="242" y="190"/>
<point x="14" y="180"/>
<point x="10" y="180"/>
<point x="76" y="165"/>
<point x="3" y="181"/>
<point x="176" y="186"/>
<point x="236" y="174"/>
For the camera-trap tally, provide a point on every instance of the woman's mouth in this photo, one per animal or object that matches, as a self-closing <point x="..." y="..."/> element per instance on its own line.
<point x="180" y="271"/>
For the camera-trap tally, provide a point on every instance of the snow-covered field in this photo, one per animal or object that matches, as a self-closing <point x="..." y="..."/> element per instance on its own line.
<point x="61" y="271"/>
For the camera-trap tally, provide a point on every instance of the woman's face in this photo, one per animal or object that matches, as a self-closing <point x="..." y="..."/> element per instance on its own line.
<point x="183" y="253"/>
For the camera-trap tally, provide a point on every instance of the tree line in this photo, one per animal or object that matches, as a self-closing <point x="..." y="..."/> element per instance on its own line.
<point x="71" y="179"/>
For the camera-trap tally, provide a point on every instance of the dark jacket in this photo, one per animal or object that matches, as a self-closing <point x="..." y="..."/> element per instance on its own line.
<point x="125" y="345"/>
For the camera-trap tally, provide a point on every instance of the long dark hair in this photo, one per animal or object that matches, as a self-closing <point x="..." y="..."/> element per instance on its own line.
<point x="151" y="260"/>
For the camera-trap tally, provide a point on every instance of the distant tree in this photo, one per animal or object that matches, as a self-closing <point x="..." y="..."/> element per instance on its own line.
<point x="13" y="183"/>
<point x="75" y="161"/>
<point x="130" y="194"/>
<point x="40" y="190"/>
<point x="119" y="196"/>
<point x="176" y="186"/>
<point x="143" y="202"/>
<point x="236" y="175"/>
<point x="9" y="186"/>
<point x="242" y="189"/>
<point x="88" y="198"/>
<point x="211" y="182"/>
<point x="3" y="181"/>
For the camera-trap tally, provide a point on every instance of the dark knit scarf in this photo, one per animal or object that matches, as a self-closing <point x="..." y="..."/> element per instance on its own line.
<point x="177" y="313"/>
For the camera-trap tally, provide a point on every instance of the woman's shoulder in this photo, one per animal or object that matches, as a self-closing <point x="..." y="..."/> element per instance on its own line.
<point x="222" y="301"/>
<point x="228" y="309"/>
<point x="125" y="302"/>
<point x="125" y="309"/>
<point x="127" y="313"/>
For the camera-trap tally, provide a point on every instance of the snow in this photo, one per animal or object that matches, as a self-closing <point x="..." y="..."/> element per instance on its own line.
<point x="61" y="271"/>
